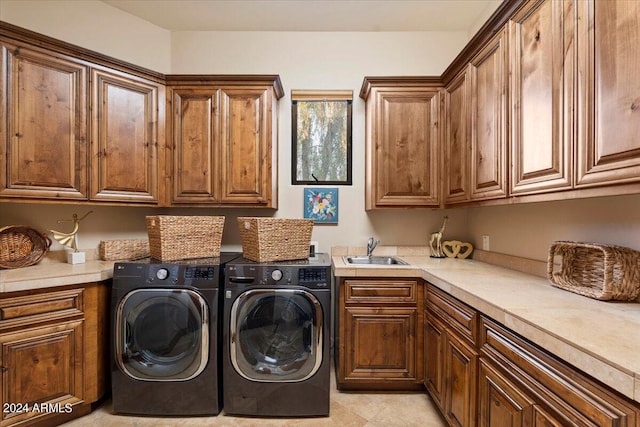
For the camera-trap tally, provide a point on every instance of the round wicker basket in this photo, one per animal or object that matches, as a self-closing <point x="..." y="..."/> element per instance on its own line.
<point x="21" y="246"/>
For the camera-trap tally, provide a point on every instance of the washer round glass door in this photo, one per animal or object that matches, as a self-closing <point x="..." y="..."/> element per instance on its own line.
<point x="162" y="334"/>
<point x="276" y="335"/>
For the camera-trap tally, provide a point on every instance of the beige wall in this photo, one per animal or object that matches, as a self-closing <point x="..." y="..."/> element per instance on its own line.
<point x="527" y="230"/>
<point x="308" y="61"/>
<point x="94" y="25"/>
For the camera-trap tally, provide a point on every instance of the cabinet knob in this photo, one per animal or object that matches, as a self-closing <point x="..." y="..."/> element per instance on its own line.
<point x="4" y="369"/>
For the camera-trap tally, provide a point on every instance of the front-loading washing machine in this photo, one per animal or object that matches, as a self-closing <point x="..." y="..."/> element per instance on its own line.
<point x="276" y="352"/>
<point x="165" y="336"/>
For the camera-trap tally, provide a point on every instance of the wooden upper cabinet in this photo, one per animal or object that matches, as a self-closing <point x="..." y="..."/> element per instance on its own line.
<point x="456" y="139"/>
<point x="541" y="58"/>
<point x="488" y="74"/>
<point x="223" y="140"/>
<point x="195" y="136"/>
<point x="609" y="92"/>
<point x="125" y="134"/>
<point x="44" y="144"/>
<point x="402" y="128"/>
<point x="246" y="146"/>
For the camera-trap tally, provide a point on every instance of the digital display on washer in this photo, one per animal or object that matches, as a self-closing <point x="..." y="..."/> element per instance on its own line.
<point x="306" y="275"/>
<point x="200" y="272"/>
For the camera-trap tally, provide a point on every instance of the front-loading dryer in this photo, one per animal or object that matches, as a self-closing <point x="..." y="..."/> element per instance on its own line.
<point x="166" y="336"/>
<point x="277" y="337"/>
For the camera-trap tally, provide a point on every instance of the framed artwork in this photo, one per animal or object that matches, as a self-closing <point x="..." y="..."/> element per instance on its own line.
<point x="321" y="137"/>
<point x="321" y="205"/>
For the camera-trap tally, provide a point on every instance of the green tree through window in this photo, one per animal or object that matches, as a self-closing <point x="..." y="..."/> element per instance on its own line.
<point x="321" y="138"/>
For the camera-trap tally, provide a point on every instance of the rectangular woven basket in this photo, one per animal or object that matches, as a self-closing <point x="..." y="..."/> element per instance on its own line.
<point x="599" y="271"/>
<point x="114" y="250"/>
<point x="183" y="237"/>
<point x="275" y="239"/>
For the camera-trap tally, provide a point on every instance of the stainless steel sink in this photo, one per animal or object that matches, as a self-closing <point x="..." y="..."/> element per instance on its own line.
<point x="379" y="260"/>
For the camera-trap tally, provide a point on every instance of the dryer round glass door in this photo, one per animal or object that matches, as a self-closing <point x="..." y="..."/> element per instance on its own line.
<point x="276" y="335"/>
<point x="162" y="334"/>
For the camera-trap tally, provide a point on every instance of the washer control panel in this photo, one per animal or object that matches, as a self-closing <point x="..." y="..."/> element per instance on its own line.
<point x="312" y="277"/>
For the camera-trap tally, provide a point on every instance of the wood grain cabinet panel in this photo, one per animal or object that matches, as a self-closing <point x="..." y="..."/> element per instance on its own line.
<point x="54" y="353"/>
<point x="488" y="110"/>
<point x="457" y="140"/>
<point x="451" y="357"/>
<point x="381" y="343"/>
<point x="246" y="146"/>
<point x="42" y="366"/>
<point x="44" y="145"/>
<point x="195" y="119"/>
<point x="381" y="291"/>
<point x="542" y="63"/>
<point x="500" y="402"/>
<point x="125" y="137"/>
<point x="379" y="334"/>
<point x="609" y="92"/>
<point x="402" y="129"/>
<point x="460" y="362"/>
<point x="560" y="394"/>
<point x="434" y="343"/>
<point x="223" y="148"/>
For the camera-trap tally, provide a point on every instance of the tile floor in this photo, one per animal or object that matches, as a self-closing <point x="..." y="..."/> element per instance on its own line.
<point x="347" y="409"/>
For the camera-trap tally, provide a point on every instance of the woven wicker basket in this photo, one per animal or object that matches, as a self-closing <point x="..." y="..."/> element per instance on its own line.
<point x="604" y="272"/>
<point x="114" y="250"/>
<point x="275" y="239"/>
<point x="21" y="246"/>
<point x="184" y="237"/>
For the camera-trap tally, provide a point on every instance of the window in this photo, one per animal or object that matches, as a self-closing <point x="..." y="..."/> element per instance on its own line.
<point x="321" y="137"/>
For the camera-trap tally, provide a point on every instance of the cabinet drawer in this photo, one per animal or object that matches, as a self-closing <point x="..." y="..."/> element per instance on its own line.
<point x="457" y="315"/>
<point x="566" y="394"/>
<point x="381" y="291"/>
<point x="29" y="309"/>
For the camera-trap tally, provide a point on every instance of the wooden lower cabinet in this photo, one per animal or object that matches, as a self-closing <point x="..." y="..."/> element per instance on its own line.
<point x="522" y="385"/>
<point x="503" y="404"/>
<point x="53" y="353"/>
<point x="379" y="335"/>
<point x="42" y="371"/>
<point x="480" y="373"/>
<point x="451" y="358"/>
<point x="461" y="361"/>
<point x="434" y="336"/>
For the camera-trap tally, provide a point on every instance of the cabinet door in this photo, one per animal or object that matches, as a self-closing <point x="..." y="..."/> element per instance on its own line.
<point x="542" y="71"/>
<point x="609" y="92"/>
<point x="125" y="137"/>
<point x="488" y="71"/>
<point x="380" y="343"/>
<point x="434" y="342"/>
<point x="563" y="395"/>
<point x="43" y="366"/>
<point x="402" y="148"/>
<point x="461" y="362"/>
<point x="456" y="140"/>
<point x="44" y="145"/>
<point x="246" y="146"/>
<point x="195" y="146"/>
<point x="500" y="402"/>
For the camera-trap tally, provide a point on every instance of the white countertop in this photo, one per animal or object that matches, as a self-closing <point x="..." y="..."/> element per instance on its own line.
<point x="48" y="274"/>
<point x="598" y="337"/>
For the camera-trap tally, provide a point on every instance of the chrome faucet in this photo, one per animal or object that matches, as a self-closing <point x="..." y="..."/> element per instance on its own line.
<point x="371" y="245"/>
